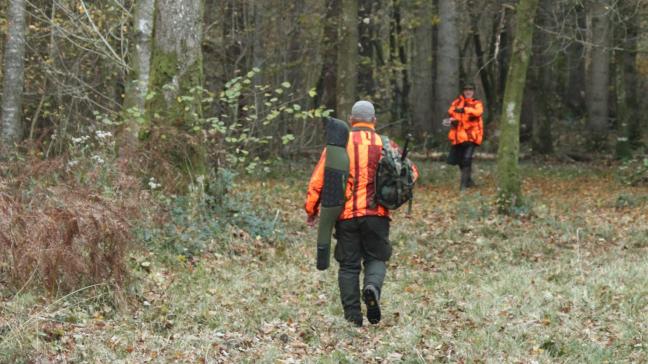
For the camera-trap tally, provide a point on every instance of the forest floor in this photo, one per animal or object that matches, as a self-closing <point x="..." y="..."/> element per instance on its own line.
<point x="564" y="281"/>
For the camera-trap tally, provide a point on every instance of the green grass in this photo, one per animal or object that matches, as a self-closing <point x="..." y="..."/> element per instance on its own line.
<point x="567" y="282"/>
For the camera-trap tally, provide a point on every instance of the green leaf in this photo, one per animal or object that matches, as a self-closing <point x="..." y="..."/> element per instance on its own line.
<point x="286" y="84"/>
<point x="287" y="138"/>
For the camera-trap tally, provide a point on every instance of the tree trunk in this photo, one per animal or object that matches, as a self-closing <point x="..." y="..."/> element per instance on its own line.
<point x="177" y="77"/>
<point x="399" y="81"/>
<point x="508" y="174"/>
<point x="598" y="72"/>
<point x="629" y="128"/>
<point x="424" y="120"/>
<point x="137" y="88"/>
<point x="326" y="86"/>
<point x="574" y="89"/>
<point x="448" y="61"/>
<point x="347" y="58"/>
<point x="541" y="86"/>
<point x="634" y="130"/>
<point x="13" y="83"/>
<point x="623" y="149"/>
<point x="366" y="66"/>
<point x="480" y="56"/>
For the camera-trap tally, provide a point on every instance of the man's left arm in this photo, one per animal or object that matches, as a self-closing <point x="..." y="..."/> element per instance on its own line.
<point x="315" y="186"/>
<point x="475" y="109"/>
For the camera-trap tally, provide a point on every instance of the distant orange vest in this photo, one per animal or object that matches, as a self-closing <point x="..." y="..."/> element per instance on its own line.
<point x="470" y="126"/>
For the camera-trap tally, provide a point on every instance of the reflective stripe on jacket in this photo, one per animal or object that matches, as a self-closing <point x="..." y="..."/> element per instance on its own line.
<point x="470" y="126"/>
<point x="365" y="150"/>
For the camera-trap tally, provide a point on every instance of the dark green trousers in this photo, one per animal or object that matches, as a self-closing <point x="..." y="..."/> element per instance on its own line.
<point x="361" y="240"/>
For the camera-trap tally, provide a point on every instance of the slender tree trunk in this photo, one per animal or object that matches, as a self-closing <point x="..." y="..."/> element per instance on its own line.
<point x="629" y="129"/>
<point x="623" y="149"/>
<point x="541" y="86"/>
<point x="598" y="73"/>
<point x="13" y="83"/>
<point x="424" y="120"/>
<point x="499" y="57"/>
<point x="480" y="54"/>
<point x="137" y="88"/>
<point x="326" y="87"/>
<point x="634" y="130"/>
<point x="366" y="32"/>
<point x="508" y="174"/>
<point x="347" y="58"/>
<point x="399" y="80"/>
<point x="177" y="76"/>
<point x="448" y="61"/>
<point x="574" y="87"/>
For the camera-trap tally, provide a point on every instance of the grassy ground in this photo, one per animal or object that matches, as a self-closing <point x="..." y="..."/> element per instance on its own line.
<point x="566" y="281"/>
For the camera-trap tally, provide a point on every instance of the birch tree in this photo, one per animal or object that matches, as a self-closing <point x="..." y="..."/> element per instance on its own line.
<point x="12" y="85"/>
<point x="137" y="89"/>
<point x="508" y="173"/>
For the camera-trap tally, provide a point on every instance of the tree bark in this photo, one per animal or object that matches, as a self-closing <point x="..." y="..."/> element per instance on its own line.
<point x="485" y="76"/>
<point x="424" y="119"/>
<point x="629" y="128"/>
<point x="177" y="76"/>
<point x="574" y="89"/>
<point x="326" y="86"/>
<point x="508" y="174"/>
<point x="13" y="82"/>
<point x="347" y="58"/>
<point x="598" y="73"/>
<point x="137" y="88"/>
<point x="400" y="84"/>
<point x="541" y="86"/>
<point x="448" y="61"/>
<point x="368" y="36"/>
<point x="630" y="79"/>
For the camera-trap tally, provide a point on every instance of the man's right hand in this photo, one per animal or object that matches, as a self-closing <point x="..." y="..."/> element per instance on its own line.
<point x="311" y="220"/>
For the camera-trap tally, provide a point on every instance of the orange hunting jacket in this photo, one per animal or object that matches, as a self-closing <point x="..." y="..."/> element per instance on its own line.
<point x="365" y="149"/>
<point x="471" y="124"/>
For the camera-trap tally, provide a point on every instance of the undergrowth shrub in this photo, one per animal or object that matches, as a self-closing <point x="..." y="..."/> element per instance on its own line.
<point x="62" y="239"/>
<point x="634" y="172"/>
<point x="208" y="218"/>
<point x="65" y="221"/>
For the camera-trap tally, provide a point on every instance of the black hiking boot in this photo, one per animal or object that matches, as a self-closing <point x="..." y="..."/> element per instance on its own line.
<point x="354" y="318"/>
<point x="471" y="183"/>
<point x="371" y="299"/>
<point x="465" y="177"/>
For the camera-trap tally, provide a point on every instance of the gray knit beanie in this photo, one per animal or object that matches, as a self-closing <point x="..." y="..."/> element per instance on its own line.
<point x="363" y="110"/>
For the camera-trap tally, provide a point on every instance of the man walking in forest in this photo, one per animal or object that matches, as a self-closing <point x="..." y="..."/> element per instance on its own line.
<point x="362" y="229"/>
<point x="466" y="132"/>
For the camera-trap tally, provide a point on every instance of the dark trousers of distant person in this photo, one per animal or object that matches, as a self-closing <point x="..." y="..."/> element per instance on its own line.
<point x="461" y="155"/>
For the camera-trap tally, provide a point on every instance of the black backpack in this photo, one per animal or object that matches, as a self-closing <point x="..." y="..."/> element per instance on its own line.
<point x="394" y="177"/>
